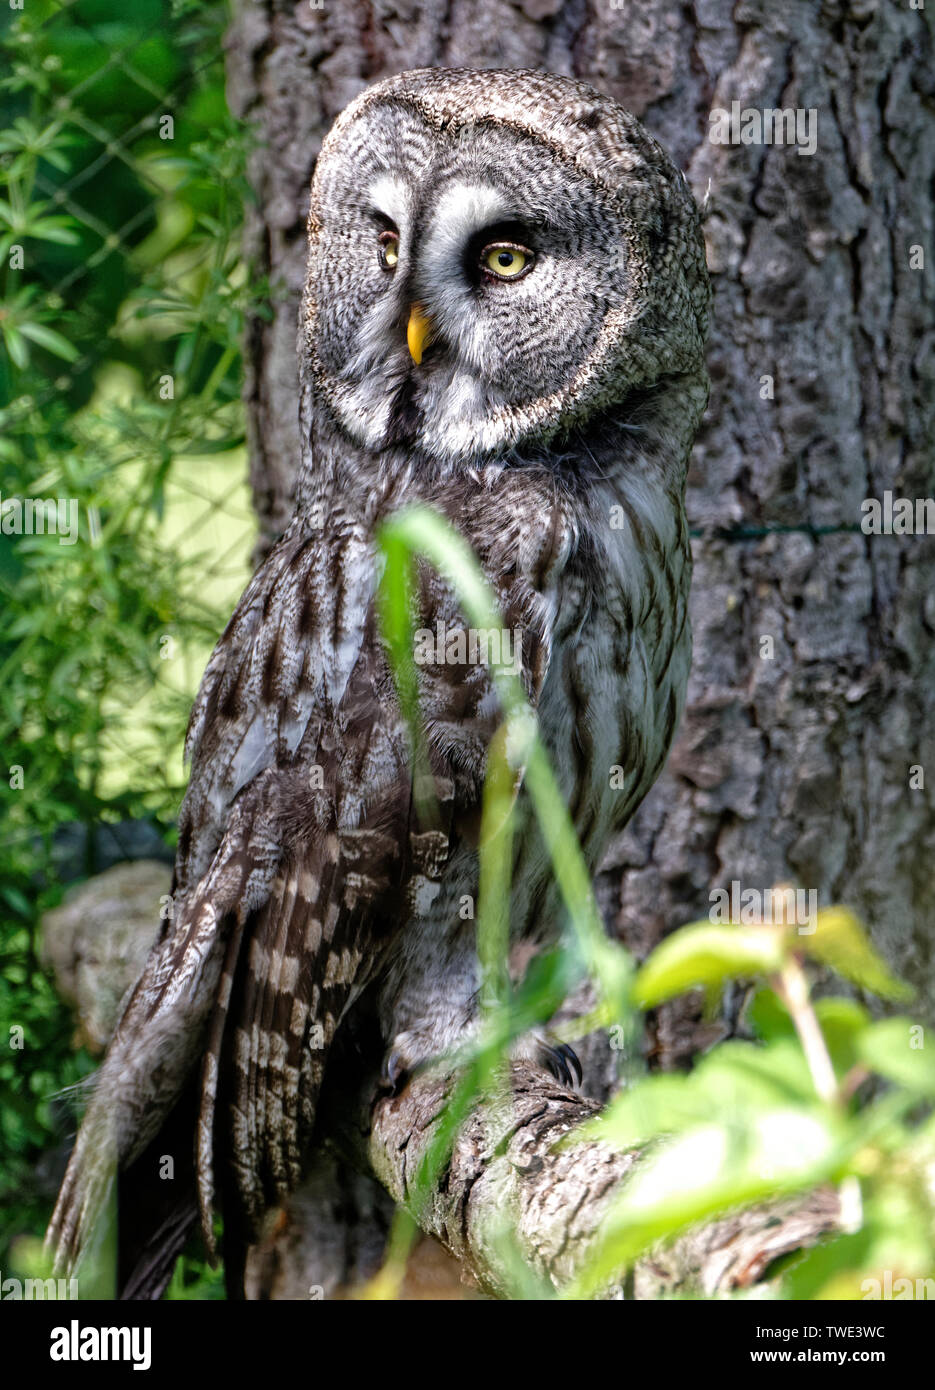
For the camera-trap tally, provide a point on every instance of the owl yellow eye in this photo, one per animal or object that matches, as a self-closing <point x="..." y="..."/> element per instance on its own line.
<point x="389" y="250"/>
<point x="505" y="260"/>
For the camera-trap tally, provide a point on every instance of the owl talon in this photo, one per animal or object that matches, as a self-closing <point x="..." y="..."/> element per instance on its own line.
<point x="403" y="1059"/>
<point x="555" y="1057"/>
<point x="394" y="1073"/>
<point x="562" y="1061"/>
<point x="401" y="1063"/>
<point x="570" y="1065"/>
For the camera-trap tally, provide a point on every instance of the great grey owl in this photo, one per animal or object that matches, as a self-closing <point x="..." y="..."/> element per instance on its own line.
<point x="504" y="319"/>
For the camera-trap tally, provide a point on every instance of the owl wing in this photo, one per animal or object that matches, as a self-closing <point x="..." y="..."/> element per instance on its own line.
<point x="300" y="855"/>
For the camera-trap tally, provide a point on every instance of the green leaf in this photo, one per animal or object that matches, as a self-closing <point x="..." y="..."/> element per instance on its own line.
<point x="831" y="1266"/>
<point x="52" y="229"/>
<point x="19" y="903"/>
<point x="16" y="346"/>
<point x="743" y="1076"/>
<point x="549" y="978"/>
<point x="706" y="954"/>
<point x="889" y="1257"/>
<point x="659" y="1105"/>
<point x="732" y="1083"/>
<point x="839" y="940"/>
<point x="51" y="340"/>
<point x="708" y="1170"/>
<point x="895" y="1048"/>
<point x="842" y="1021"/>
<point x="211" y="446"/>
<point x="769" y="1016"/>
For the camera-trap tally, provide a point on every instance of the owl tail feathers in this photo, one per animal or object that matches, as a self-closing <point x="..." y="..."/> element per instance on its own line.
<point x="150" y="1057"/>
<point x="86" y="1196"/>
<point x="122" y="1231"/>
<point x="156" y="1213"/>
<point x="119" y="1223"/>
<point x="149" y="1062"/>
<point x="288" y="976"/>
<point x="204" y="1132"/>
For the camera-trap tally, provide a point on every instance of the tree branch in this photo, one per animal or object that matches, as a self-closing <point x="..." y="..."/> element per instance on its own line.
<point x="506" y="1162"/>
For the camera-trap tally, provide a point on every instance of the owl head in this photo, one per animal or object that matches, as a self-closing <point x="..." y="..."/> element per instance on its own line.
<point x="495" y="257"/>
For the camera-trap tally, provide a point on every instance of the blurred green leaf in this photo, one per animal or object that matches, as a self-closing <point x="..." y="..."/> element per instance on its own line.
<point x="707" y="1170"/>
<point x="768" y="1016"/>
<point x="839" y="940"/>
<point x="842" y="1022"/>
<point x="735" y="1080"/>
<point x="895" y="1048"/>
<point x="706" y="954"/>
<point x="51" y="340"/>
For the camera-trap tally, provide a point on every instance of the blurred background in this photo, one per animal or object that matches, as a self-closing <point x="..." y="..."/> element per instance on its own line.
<point x="122" y="183"/>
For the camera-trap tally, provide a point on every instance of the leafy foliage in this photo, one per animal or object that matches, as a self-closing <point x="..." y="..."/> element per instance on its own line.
<point x="122" y="303"/>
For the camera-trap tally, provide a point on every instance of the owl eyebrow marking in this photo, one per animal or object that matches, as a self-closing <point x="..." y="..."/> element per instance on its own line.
<point x="390" y="199"/>
<point x="464" y="209"/>
<point x="461" y="211"/>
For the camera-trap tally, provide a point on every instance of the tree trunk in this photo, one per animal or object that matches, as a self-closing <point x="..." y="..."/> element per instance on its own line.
<point x="813" y="690"/>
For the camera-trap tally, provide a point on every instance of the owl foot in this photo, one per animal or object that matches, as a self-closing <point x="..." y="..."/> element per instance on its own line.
<point x="555" y="1057"/>
<point x="405" y="1058"/>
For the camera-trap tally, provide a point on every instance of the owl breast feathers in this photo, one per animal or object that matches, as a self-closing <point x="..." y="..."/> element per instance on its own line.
<point x="504" y="318"/>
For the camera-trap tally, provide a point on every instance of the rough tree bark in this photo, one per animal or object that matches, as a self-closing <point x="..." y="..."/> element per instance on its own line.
<point x="793" y="760"/>
<point x="505" y="1160"/>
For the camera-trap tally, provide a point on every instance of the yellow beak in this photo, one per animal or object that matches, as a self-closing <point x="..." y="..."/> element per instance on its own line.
<point x="418" y="332"/>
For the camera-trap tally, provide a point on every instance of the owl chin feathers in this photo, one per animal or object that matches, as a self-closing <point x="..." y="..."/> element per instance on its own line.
<point x="443" y="413"/>
<point x="435" y="407"/>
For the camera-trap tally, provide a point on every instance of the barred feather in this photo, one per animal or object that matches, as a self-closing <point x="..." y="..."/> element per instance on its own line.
<point x="303" y="873"/>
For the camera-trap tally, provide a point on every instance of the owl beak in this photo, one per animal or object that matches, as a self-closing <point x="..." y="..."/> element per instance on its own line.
<point x="418" y="332"/>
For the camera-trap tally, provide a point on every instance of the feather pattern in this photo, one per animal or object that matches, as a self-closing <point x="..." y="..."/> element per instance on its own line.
<point x="550" y="422"/>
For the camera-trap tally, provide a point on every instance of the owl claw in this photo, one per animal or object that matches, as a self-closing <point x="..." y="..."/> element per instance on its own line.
<point x="562" y="1061"/>
<point x="394" y="1073"/>
<point x="577" y="1075"/>
<point x="403" y="1059"/>
<point x="557" y="1058"/>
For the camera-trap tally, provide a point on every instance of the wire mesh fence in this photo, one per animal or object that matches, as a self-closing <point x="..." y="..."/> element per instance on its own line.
<point x="125" y="520"/>
<point x="123" y="305"/>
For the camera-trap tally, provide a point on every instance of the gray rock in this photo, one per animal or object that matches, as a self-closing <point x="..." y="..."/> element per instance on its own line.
<point x="98" y="939"/>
